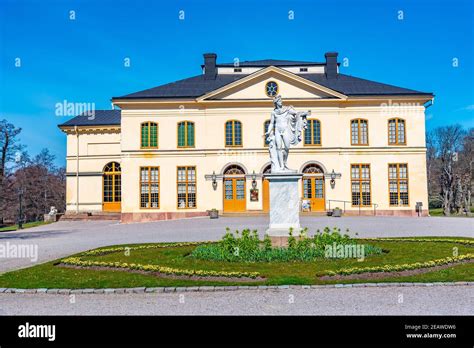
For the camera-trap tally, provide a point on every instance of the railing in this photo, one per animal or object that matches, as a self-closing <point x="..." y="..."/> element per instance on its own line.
<point x="344" y="205"/>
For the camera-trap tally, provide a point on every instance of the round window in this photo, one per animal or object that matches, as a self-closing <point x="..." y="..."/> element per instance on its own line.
<point x="271" y="88"/>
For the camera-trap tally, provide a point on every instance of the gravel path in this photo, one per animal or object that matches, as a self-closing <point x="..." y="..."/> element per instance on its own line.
<point x="64" y="238"/>
<point x="438" y="300"/>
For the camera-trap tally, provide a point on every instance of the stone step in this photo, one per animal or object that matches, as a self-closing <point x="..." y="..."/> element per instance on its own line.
<point x="244" y="213"/>
<point x="313" y="213"/>
<point x="260" y="213"/>
<point x="91" y="216"/>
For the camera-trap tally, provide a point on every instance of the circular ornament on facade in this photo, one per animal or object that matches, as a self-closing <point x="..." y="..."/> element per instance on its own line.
<point x="271" y="88"/>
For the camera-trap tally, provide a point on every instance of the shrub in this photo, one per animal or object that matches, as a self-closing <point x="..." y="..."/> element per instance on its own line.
<point x="247" y="247"/>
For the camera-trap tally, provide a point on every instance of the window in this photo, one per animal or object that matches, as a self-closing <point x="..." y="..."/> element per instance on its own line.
<point x="359" y="132"/>
<point x="398" y="184"/>
<point x="186" y="134"/>
<point x="360" y="184"/>
<point x="303" y="69"/>
<point x="112" y="190"/>
<point x="186" y="187"/>
<point x="149" y="187"/>
<point x="237" y="69"/>
<point x="271" y="88"/>
<point x="149" y="135"/>
<point x="396" y="131"/>
<point x="234" y="170"/>
<point x="312" y="134"/>
<point x="266" y="124"/>
<point x="233" y="133"/>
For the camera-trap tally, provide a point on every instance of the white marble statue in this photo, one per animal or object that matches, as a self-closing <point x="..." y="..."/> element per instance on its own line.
<point x="285" y="129"/>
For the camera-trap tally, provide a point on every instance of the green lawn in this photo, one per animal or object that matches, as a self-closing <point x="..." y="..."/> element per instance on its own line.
<point x="25" y="225"/>
<point x="439" y="212"/>
<point x="276" y="273"/>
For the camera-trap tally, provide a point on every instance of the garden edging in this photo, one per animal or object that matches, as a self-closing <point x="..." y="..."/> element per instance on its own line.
<point x="143" y="290"/>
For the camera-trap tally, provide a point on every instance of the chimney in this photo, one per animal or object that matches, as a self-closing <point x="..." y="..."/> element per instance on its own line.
<point x="331" y="65"/>
<point x="210" y="70"/>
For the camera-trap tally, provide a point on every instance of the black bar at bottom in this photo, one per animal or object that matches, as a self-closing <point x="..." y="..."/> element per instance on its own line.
<point x="209" y="330"/>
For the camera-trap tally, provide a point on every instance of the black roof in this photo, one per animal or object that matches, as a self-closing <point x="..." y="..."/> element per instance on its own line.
<point x="197" y="86"/>
<point x="268" y="62"/>
<point x="95" y="118"/>
<point x="353" y="86"/>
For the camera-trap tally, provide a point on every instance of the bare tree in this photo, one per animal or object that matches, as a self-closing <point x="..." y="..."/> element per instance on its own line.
<point x="41" y="183"/>
<point x="9" y="147"/>
<point x="433" y="172"/>
<point x="466" y="169"/>
<point x="449" y="143"/>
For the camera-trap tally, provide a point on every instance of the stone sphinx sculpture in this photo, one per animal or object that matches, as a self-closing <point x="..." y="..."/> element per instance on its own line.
<point x="286" y="126"/>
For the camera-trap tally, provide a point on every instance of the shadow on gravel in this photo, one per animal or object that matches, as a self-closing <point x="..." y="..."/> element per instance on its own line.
<point x="31" y="235"/>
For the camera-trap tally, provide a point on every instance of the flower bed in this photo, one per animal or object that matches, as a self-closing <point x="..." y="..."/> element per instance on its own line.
<point x="75" y="261"/>
<point x="398" y="268"/>
<point x="437" y="240"/>
<point x="78" y="262"/>
<point x="105" y="251"/>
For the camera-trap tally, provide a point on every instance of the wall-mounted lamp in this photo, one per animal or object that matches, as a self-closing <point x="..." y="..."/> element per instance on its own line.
<point x="214" y="180"/>
<point x="254" y="180"/>
<point x="333" y="179"/>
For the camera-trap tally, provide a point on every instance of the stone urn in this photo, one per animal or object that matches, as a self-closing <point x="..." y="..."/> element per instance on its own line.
<point x="337" y="212"/>
<point x="214" y="214"/>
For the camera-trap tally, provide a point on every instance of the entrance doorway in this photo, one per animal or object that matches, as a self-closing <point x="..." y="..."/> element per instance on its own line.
<point x="234" y="189"/>
<point x="112" y="188"/>
<point x="313" y="187"/>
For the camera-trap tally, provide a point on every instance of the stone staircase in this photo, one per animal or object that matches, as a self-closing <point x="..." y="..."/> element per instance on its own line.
<point x="91" y="216"/>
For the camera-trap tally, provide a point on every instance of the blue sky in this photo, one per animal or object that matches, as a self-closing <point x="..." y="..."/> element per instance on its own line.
<point x="82" y="60"/>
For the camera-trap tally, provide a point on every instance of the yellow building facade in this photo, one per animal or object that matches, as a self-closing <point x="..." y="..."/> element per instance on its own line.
<point x="184" y="148"/>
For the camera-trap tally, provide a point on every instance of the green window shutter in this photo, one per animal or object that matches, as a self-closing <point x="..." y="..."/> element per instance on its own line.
<point x="237" y="133"/>
<point x="316" y="133"/>
<point x="181" y="134"/>
<point x="154" y="135"/>
<point x="190" y="134"/>
<point x="145" y="130"/>
<point x="228" y="133"/>
<point x="307" y="133"/>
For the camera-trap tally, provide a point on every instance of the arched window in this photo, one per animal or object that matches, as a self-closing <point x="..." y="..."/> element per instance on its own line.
<point x="149" y="135"/>
<point x="266" y="124"/>
<point x="186" y="134"/>
<point x="111" y="185"/>
<point x="234" y="169"/>
<point x="359" y="132"/>
<point x="396" y="131"/>
<point x="233" y="133"/>
<point x="312" y="134"/>
<point x="313" y="169"/>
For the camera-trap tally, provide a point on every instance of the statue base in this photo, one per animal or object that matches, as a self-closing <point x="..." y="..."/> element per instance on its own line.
<point x="284" y="206"/>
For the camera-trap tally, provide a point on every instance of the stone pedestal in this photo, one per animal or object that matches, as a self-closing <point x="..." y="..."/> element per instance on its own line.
<point x="284" y="206"/>
<point x="50" y="217"/>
